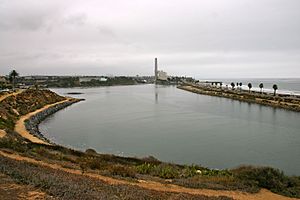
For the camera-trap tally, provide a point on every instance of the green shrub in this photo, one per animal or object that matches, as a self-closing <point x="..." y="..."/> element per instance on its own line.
<point x="168" y="172"/>
<point x="121" y="170"/>
<point x="214" y="172"/>
<point x="190" y="171"/>
<point x="269" y="178"/>
<point x="145" y="168"/>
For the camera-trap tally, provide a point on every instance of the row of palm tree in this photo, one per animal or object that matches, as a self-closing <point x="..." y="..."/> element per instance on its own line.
<point x="261" y="86"/>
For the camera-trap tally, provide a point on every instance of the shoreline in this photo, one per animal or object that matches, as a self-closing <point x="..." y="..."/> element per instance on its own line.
<point x="278" y="101"/>
<point x="27" y="125"/>
<point x="40" y="153"/>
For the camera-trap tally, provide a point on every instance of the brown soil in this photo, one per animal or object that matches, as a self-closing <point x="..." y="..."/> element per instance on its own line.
<point x="2" y="133"/>
<point x="152" y="185"/>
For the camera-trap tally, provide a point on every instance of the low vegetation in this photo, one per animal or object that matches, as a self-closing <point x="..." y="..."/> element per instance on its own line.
<point x="63" y="185"/>
<point x="269" y="178"/>
<point x="245" y="178"/>
<point x="30" y="100"/>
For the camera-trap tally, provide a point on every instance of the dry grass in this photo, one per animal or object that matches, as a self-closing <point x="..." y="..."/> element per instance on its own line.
<point x="63" y="185"/>
<point x="248" y="179"/>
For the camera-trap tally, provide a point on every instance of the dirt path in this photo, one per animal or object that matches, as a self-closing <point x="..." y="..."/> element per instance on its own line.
<point x="2" y="133"/>
<point x="151" y="185"/>
<point x="11" y="94"/>
<point x="20" y="125"/>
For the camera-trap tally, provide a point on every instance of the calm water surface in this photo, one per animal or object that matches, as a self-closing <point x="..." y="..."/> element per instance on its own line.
<point x="178" y="126"/>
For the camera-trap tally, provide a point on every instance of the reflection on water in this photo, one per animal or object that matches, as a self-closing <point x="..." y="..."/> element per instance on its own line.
<point x="156" y="95"/>
<point x="178" y="126"/>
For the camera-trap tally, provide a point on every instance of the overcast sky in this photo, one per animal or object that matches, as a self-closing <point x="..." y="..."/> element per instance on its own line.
<point x="200" y="38"/>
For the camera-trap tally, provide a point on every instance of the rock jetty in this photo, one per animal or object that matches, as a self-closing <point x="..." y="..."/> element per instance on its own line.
<point x="32" y="124"/>
<point x="287" y="102"/>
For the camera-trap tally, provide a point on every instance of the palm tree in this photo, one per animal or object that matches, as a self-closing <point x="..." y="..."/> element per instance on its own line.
<point x="249" y="86"/>
<point x="275" y="87"/>
<point x="232" y="85"/>
<point x="12" y="77"/>
<point x="261" y="86"/>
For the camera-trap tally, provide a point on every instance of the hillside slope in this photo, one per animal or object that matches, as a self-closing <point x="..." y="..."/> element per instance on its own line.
<point x="12" y="107"/>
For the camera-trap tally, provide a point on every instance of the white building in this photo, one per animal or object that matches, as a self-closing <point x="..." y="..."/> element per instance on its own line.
<point x="161" y="75"/>
<point x="102" y="79"/>
<point x="90" y="78"/>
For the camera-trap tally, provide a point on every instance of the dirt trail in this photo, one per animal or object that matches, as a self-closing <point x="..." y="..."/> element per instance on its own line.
<point x="151" y="185"/>
<point x="2" y="133"/>
<point x="11" y="94"/>
<point x="20" y="125"/>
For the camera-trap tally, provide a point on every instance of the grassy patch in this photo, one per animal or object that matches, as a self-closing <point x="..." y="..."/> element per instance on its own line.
<point x="168" y="171"/>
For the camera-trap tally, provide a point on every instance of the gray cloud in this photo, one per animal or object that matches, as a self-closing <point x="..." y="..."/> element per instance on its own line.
<point x="27" y="16"/>
<point x="218" y="38"/>
<point x="78" y="19"/>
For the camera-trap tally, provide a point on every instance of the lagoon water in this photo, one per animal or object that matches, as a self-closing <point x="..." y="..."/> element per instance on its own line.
<point x="178" y="126"/>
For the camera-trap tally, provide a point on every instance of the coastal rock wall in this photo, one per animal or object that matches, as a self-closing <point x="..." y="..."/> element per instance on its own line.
<point x="288" y="103"/>
<point x="32" y="124"/>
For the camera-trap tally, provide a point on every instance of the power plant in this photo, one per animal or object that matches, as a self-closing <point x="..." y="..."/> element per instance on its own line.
<point x="160" y="76"/>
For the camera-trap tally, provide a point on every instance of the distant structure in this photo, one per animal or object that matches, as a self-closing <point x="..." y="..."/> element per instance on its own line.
<point x="155" y="70"/>
<point x="162" y="76"/>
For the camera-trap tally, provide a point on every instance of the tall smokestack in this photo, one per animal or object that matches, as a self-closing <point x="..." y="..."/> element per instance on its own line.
<point x="155" y="70"/>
